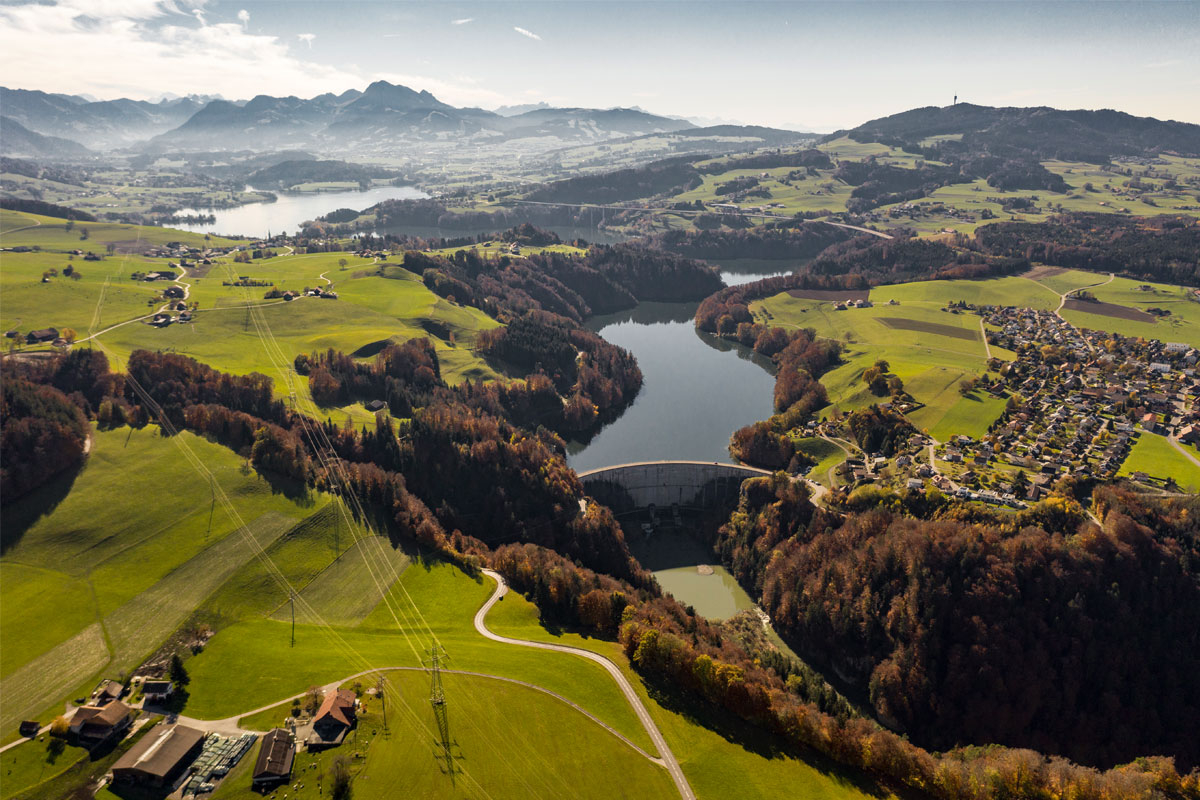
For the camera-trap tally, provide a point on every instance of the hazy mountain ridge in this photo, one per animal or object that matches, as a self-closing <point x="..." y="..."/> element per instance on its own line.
<point x="1043" y="132"/>
<point x="18" y="141"/>
<point x="104" y="124"/>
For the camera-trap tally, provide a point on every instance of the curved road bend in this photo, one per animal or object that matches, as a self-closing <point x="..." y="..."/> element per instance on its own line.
<point x="664" y="751"/>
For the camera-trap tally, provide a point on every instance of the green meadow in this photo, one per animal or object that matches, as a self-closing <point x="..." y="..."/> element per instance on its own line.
<point x="1160" y="459"/>
<point x="506" y="740"/>
<point x="1182" y="324"/>
<point x="930" y="349"/>
<point x="720" y="755"/>
<point x="51" y="233"/>
<point x="101" y="567"/>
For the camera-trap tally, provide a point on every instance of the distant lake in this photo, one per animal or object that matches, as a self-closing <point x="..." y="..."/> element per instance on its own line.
<point x="737" y="271"/>
<point x="290" y="210"/>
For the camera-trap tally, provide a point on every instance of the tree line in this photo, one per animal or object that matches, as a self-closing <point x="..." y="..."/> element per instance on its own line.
<point x="1075" y="639"/>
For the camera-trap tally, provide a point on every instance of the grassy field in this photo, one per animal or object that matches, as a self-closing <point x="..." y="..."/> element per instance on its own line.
<point x="51" y="233"/>
<point x="827" y="454"/>
<point x="1181" y="325"/>
<point x="931" y="350"/>
<point x="34" y="762"/>
<point x="1156" y="456"/>
<point x="506" y="742"/>
<point x="103" y="294"/>
<point x="394" y="634"/>
<point x="496" y="249"/>
<point x="721" y="756"/>
<point x="92" y="586"/>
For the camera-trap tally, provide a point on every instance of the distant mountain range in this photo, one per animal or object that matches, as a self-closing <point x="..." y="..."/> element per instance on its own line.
<point x="102" y="125"/>
<point x="383" y="114"/>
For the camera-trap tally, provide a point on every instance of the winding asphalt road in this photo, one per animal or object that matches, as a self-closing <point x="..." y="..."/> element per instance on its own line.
<point x="660" y="743"/>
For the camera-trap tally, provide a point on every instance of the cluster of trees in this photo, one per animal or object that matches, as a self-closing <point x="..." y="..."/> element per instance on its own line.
<point x="907" y="259"/>
<point x="815" y="159"/>
<point x="877" y="184"/>
<point x="879" y="430"/>
<point x="607" y="278"/>
<point x="671" y="175"/>
<point x="435" y="214"/>
<point x="965" y="633"/>
<point x="290" y="173"/>
<point x="736" y="185"/>
<point x="43" y="432"/>
<point x="42" y="207"/>
<point x="684" y="654"/>
<point x="1159" y="248"/>
<point x="771" y="241"/>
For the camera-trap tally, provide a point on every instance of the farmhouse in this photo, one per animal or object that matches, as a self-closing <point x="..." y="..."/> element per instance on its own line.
<point x="333" y="720"/>
<point x="275" y="758"/>
<point x="94" y="724"/>
<point x="375" y="406"/>
<point x="41" y="336"/>
<point x="160" y="757"/>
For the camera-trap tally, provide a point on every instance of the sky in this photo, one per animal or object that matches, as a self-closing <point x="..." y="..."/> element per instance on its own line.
<point x="813" y="66"/>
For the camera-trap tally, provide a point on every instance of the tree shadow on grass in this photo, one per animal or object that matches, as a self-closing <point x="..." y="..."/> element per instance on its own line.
<point x="23" y="513"/>
<point x="755" y="740"/>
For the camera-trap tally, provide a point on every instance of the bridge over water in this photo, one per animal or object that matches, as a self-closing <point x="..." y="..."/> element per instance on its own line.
<point x="694" y="485"/>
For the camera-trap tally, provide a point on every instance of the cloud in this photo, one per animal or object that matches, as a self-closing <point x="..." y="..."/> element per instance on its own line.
<point x="462" y="21"/>
<point x="244" y="17"/>
<point x="198" y="13"/>
<point x="524" y="32"/>
<point x="307" y="38"/>
<point x="147" y="47"/>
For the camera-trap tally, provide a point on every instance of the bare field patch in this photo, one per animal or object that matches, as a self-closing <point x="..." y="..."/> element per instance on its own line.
<point x="954" y="332"/>
<point x="1108" y="310"/>
<point x="1043" y="272"/>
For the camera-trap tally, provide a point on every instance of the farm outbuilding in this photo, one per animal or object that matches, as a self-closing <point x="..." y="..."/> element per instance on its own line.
<point x="275" y="758"/>
<point x="161" y="756"/>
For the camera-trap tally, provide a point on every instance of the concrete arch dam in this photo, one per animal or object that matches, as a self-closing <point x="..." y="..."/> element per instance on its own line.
<point x="696" y="485"/>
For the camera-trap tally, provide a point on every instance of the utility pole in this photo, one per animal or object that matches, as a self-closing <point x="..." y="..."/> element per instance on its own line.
<point x="292" y="599"/>
<point x="382" y="692"/>
<point x="212" y="488"/>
